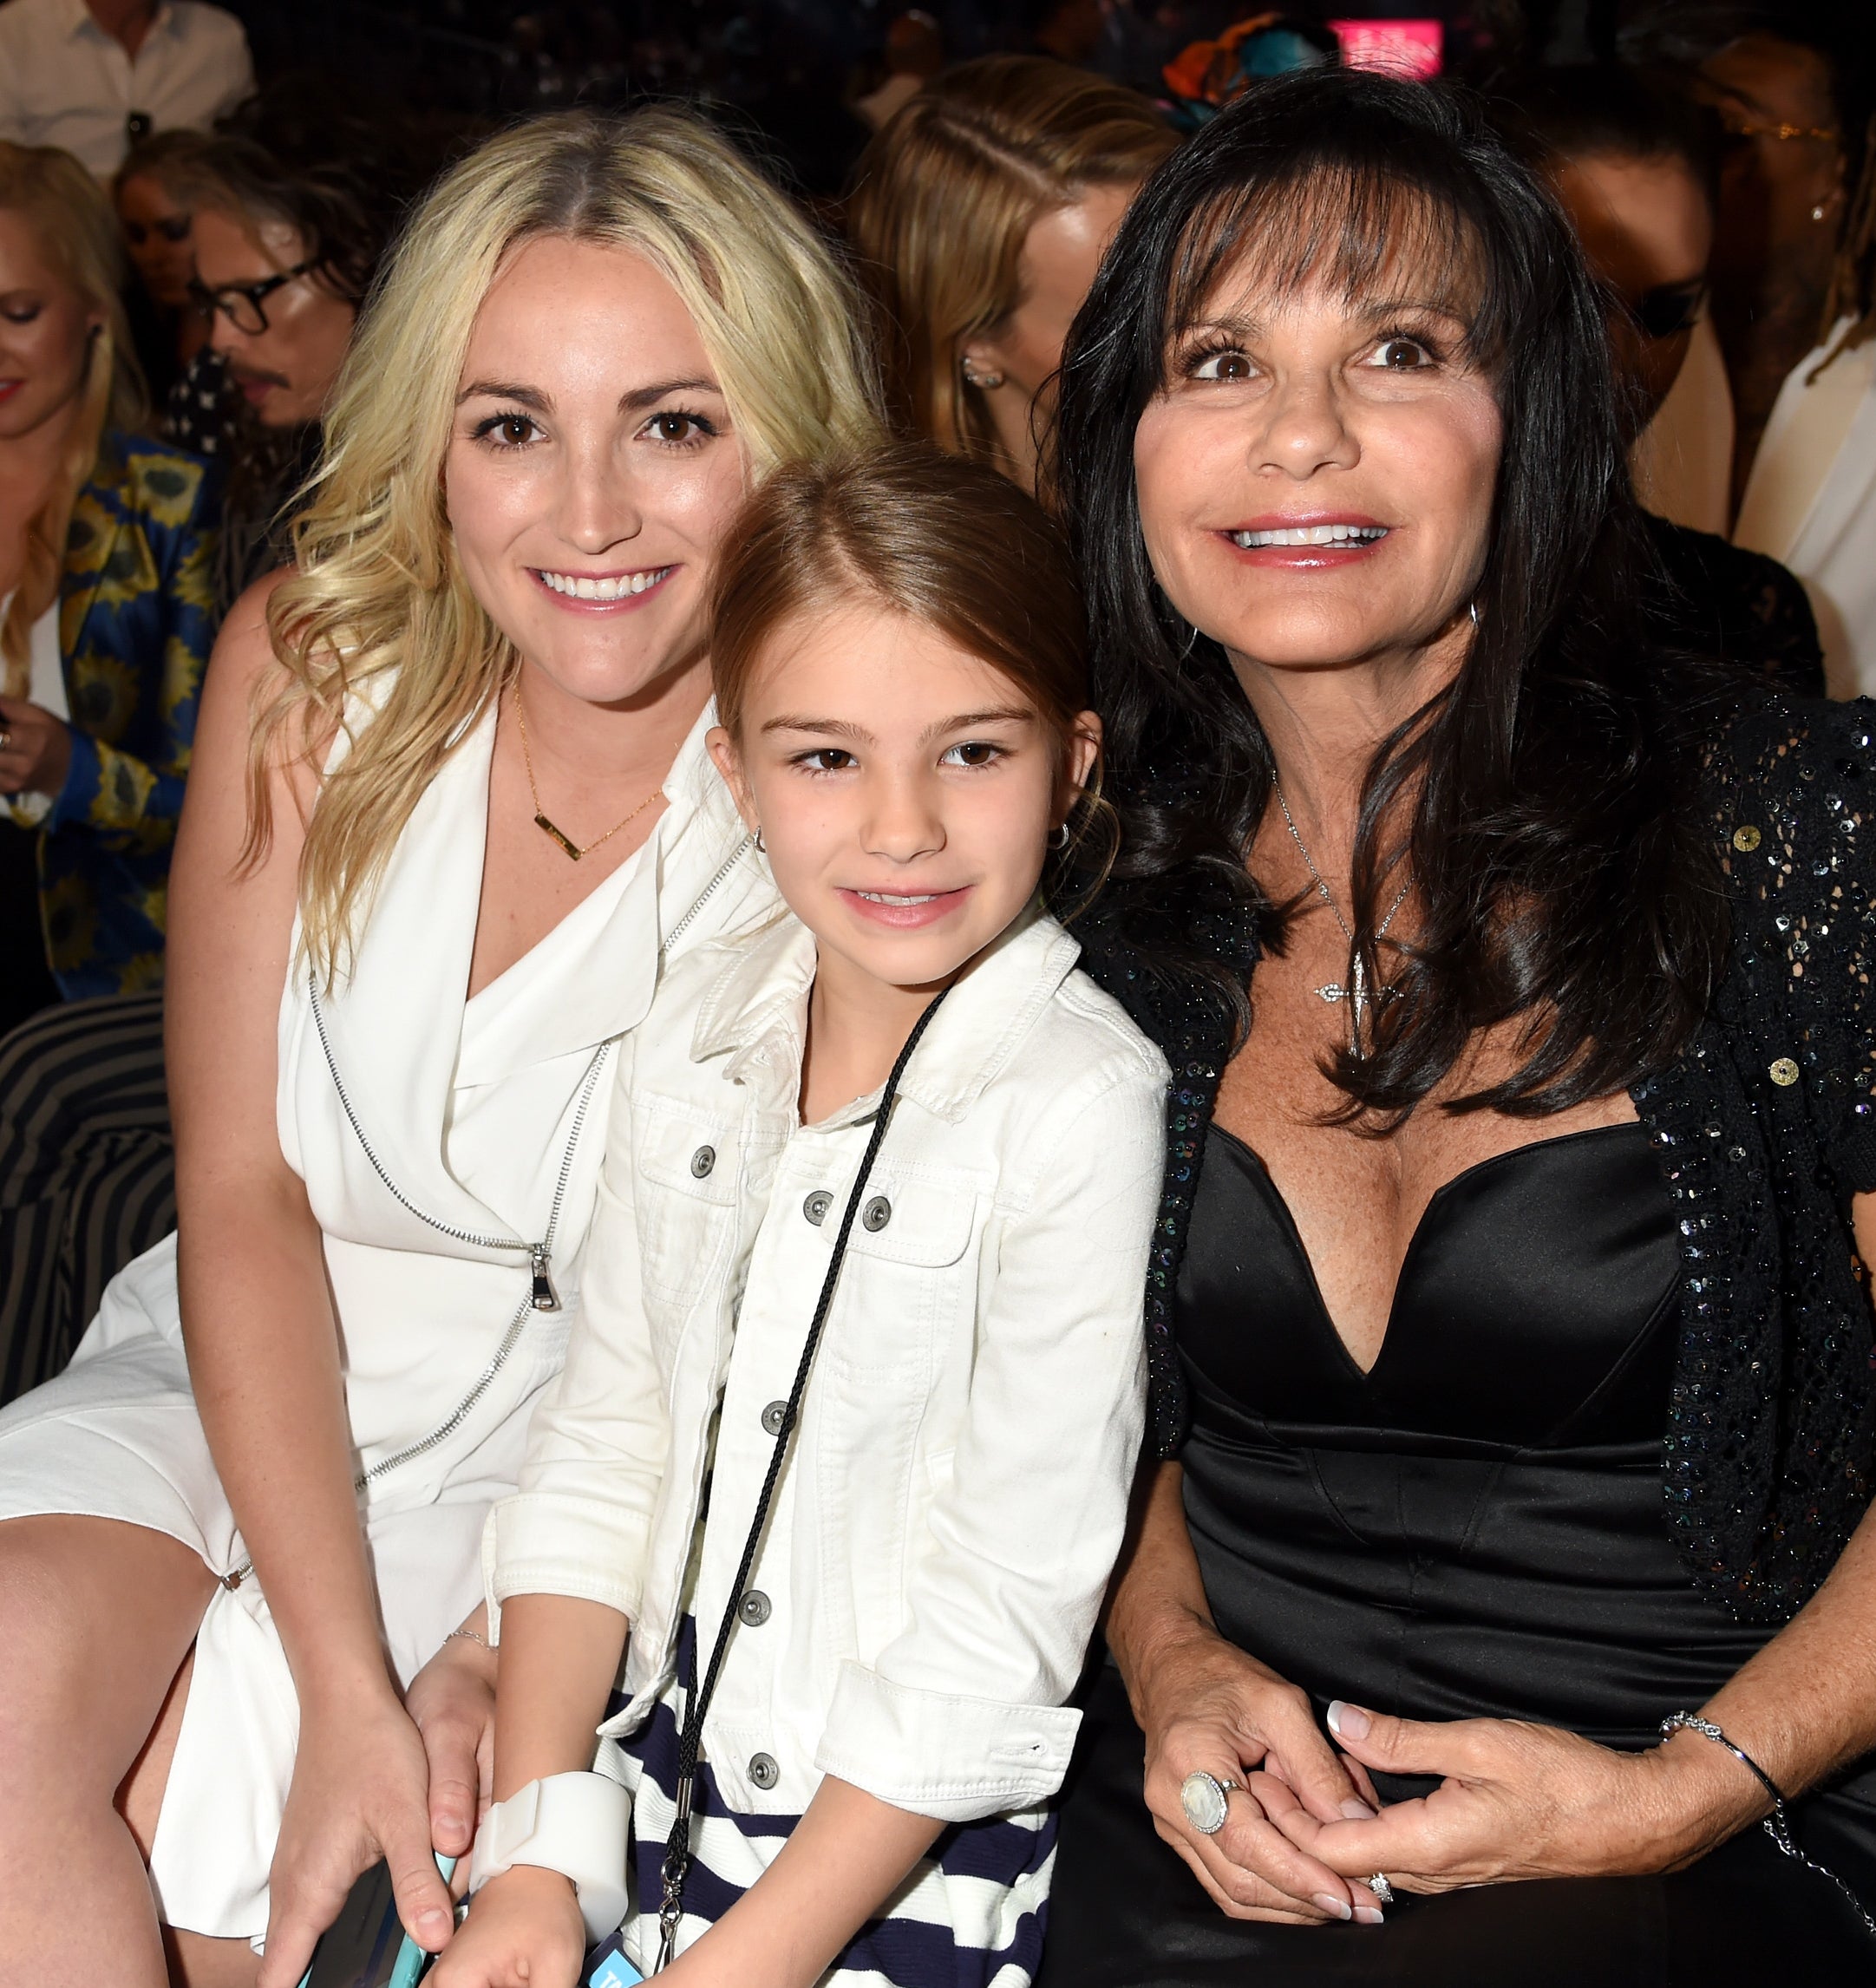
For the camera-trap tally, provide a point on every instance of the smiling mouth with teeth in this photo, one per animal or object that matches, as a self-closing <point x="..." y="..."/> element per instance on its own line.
<point x="886" y="898"/>
<point x="609" y="587"/>
<point x="1309" y="535"/>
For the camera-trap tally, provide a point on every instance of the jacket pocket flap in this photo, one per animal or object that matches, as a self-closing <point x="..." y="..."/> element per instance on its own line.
<point x="910" y="1221"/>
<point x="682" y="1148"/>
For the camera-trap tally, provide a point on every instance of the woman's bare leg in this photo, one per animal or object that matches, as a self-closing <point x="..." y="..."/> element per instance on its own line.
<point x="195" y="1959"/>
<point x="96" y="1618"/>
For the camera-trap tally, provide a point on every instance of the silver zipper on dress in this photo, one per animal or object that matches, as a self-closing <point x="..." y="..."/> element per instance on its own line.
<point x="542" y="1295"/>
<point x="704" y="896"/>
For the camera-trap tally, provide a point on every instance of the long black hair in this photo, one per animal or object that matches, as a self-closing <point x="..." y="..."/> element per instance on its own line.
<point x="1565" y="877"/>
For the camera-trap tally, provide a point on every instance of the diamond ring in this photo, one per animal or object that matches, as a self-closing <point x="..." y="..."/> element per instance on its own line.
<point x="1382" y="1890"/>
<point x="1204" y="1798"/>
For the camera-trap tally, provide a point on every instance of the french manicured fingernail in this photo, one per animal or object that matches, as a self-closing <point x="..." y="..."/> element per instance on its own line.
<point x="1336" y="1908"/>
<point x="1346" y="1721"/>
<point x="1358" y="1811"/>
<point x="1368" y="1916"/>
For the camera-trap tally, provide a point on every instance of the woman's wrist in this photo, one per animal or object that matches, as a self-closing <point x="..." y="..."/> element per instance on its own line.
<point x="1696" y="1796"/>
<point x="345" y="1685"/>
<point x="1159" y="1655"/>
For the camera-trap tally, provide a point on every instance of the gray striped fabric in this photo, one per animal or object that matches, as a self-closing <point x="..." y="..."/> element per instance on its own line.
<point x="87" y="1171"/>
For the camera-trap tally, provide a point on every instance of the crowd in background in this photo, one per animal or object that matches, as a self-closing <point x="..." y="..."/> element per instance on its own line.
<point x="183" y="257"/>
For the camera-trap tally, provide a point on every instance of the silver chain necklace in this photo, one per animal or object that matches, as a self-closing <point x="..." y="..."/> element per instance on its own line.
<point x="1357" y="993"/>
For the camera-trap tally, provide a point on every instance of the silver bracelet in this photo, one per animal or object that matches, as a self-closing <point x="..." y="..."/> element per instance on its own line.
<point x="469" y="1636"/>
<point x="1777" y="1825"/>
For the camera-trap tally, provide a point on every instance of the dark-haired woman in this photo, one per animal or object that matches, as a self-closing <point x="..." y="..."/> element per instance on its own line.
<point x="1514" y="1389"/>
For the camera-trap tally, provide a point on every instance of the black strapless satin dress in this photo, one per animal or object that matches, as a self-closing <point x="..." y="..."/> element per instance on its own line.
<point x="1473" y="1529"/>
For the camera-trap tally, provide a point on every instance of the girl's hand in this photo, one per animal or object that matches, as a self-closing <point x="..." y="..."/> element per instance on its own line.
<point x="1205" y="1705"/>
<point x="38" y="749"/>
<point x="1519" y="1800"/>
<point x="360" y="1792"/>
<point x="524" y="1931"/>
<point x="452" y="1703"/>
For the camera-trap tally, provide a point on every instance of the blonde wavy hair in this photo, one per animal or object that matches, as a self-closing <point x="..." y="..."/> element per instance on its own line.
<point x="76" y="233"/>
<point x="378" y="603"/>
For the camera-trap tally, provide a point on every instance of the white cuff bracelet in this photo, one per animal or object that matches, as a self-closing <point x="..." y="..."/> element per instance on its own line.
<point x="572" y="1823"/>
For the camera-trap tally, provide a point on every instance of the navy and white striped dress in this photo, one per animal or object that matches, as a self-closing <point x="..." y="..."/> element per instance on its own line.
<point x="971" y="1914"/>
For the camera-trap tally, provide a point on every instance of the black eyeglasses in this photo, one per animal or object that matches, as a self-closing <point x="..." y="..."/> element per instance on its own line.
<point x="244" y="304"/>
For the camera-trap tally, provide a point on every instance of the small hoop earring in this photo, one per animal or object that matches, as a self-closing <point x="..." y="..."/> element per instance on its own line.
<point x="761" y="848"/>
<point x="1059" y="840"/>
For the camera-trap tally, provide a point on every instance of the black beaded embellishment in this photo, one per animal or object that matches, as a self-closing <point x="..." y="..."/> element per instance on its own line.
<point x="1764" y="1128"/>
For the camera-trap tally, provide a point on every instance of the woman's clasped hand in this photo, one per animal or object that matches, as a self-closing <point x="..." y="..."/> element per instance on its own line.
<point x="1515" y="1799"/>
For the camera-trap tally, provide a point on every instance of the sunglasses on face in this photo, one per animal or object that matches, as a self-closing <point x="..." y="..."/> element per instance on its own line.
<point x="244" y="304"/>
<point x="173" y="228"/>
<point x="1666" y="311"/>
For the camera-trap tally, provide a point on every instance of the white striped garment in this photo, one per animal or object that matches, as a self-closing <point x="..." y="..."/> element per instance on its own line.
<point x="971" y="1914"/>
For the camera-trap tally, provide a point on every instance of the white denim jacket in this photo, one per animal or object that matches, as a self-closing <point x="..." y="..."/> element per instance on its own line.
<point x="957" y="1487"/>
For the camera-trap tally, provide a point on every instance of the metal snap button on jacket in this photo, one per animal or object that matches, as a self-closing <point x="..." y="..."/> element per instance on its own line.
<point x="876" y="1215"/>
<point x="755" y="1608"/>
<point x="701" y="1161"/>
<point x="816" y="1206"/>
<point x="763" y="1771"/>
<point x="772" y="1416"/>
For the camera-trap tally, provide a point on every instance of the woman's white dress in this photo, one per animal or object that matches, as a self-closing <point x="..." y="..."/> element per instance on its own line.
<point x="489" y="1118"/>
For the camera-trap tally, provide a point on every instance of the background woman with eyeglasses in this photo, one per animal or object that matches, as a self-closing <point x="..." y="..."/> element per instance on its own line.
<point x="106" y="551"/>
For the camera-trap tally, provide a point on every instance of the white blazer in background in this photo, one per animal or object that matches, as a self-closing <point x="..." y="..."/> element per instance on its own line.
<point x="1811" y="501"/>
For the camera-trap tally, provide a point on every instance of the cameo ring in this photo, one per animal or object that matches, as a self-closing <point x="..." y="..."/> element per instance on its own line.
<point x="1382" y="1890"/>
<point x="1204" y="1798"/>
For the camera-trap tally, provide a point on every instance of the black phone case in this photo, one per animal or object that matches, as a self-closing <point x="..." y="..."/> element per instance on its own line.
<point x="359" y="1949"/>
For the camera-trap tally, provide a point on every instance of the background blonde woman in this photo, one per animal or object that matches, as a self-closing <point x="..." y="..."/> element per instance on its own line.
<point x="980" y="214"/>
<point x="106" y="546"/>
<point x="453" y="810"/>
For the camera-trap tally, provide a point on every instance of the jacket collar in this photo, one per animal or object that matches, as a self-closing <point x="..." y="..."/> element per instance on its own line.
<point x="76" y="19"/>
<point x="102" y="508"/>
<point x="755" y="1013"/>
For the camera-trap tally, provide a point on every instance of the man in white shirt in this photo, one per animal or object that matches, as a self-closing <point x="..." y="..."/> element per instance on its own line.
<point x="95" y="76"/>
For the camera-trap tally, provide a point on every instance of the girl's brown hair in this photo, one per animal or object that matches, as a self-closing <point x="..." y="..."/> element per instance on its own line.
<point x="949" y="543"/>
<point x="943" y="199"/>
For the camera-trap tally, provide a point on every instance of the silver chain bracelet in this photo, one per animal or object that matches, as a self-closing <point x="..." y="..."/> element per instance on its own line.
<point x="1777" y="1825"/>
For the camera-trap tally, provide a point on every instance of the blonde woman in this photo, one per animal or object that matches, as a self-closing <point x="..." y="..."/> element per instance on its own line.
<point x="980" y="214"/>
<point x="106" y="556"/>
<point x="453" y="810"/>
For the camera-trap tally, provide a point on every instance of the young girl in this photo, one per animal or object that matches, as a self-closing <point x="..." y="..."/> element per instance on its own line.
<point x="897" y="661"/>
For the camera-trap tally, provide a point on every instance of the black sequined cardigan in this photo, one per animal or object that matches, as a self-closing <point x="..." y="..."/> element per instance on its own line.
<point x="1764" y="1128"/>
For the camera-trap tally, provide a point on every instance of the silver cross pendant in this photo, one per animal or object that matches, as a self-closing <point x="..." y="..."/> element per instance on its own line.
<point x="1359" y="1000"/>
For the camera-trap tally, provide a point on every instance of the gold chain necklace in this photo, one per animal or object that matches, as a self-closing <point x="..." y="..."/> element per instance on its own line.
<point x="547" y="827"/>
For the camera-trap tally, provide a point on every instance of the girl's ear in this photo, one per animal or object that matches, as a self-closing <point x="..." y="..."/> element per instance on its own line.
<point x="729" y="762"/>
<point x="1083" y="756"/>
